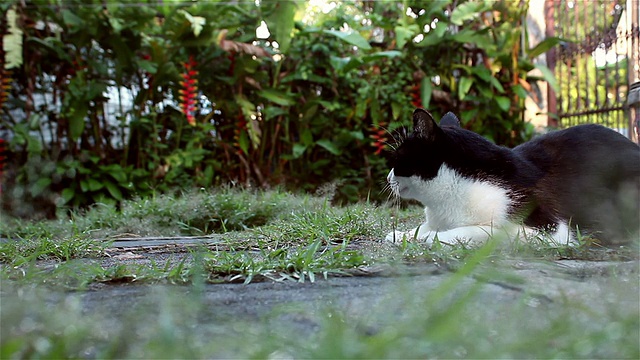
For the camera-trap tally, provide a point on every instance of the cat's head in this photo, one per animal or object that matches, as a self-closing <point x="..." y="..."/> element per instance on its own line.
<point x="422" y="153"/>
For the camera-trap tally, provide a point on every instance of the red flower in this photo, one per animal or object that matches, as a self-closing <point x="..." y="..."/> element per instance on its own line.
<point x="5" y="85"/>
<point x="189" y="91"/>
<point x="379" y="136"/>
<point x="416" y="99"/>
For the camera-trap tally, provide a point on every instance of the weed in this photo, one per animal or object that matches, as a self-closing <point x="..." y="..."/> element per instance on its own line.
<point x="16" y="252"/>
<point x="298" y="264"/>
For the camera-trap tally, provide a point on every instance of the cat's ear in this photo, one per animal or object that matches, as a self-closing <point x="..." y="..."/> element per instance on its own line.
<point x="449" y="119"/>
<point x="423" y="124"/>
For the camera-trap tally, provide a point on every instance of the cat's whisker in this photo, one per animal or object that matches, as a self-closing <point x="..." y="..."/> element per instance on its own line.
<point x="392" y="196"/>
<point x="397" y="136"/>
<point x="393" y="146"/>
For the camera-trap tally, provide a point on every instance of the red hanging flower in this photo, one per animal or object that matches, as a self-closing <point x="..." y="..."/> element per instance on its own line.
<point x="416" y="98"/>
<point x="5" y="85"/>
<point x="189" y="91"/>
<point x="379" y="136"/>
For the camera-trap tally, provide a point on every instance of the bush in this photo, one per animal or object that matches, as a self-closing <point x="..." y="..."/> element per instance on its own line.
<point x="314" y="103"/>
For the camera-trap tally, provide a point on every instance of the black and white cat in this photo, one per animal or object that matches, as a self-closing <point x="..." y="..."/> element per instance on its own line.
<point x="586" y="177"/>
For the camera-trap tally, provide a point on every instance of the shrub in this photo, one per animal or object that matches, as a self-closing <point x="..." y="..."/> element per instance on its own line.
<point x="313" y="103"/>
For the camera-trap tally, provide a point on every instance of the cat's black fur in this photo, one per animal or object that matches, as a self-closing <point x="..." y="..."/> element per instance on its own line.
<point x="586" y="176"/>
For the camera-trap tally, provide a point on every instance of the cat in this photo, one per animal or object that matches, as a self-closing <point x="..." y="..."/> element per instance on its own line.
<point x="584" y="179"/>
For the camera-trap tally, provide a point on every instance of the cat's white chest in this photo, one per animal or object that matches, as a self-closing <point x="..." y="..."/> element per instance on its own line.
<point x="452" y="200"/>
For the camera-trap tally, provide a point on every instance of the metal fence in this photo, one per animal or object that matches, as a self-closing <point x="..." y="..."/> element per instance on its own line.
<point x="597" y="63"/>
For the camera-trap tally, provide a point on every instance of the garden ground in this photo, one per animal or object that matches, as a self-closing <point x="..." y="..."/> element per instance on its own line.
<point x="294" y="277"/>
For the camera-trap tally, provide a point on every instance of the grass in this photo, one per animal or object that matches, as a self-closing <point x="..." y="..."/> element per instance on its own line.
<point x="28" y="250"/>
<point x="273" y="236"/>
<point x="267" y="235"/>
<point x="451" y="320"/>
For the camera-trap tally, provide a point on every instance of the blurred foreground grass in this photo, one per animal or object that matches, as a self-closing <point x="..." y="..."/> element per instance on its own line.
<point x="277" y="236"/>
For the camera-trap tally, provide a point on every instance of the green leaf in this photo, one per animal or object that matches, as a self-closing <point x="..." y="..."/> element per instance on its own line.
<point x="426" y="88"/>
<point x="311" y="111"/>
<point x="68" y="194"/>
<point x="271" y="112"/>
<point x="102" y="198"/>
<point x="544" y="46"/>
<point x="339" y="63"/>
<point x="94" y="90"/>
<point x="481" y="71"/>
<point x="358" y="135"/>
<point x="77" y="115"/>
<point x="496" y="84"/>
<point x="298" y="150"/>
<point x="485" y="91"/>
<point x="34" y="146"/>
<point x="116" y="172"/>
<point x="396" y="110"/>
<point x="253" y="128"/>
<point x="547" y="74"/>
<point x="479" y="39"/>
<point x="389" y="54"/>
<point x="353" y="64"/>
<point x="434" y="37"/>
<point x="353" y="38"/>
<point x="520" y="91"/>
<point x="277" y="97"/>
<point x="468" y="11"/>
<point x="84" y="185"/>
<point x="306" y="77"/>
<point x="464" y="86"/>
<point x="361" y="108"/>
<point x="12" y="41"/>
<point x="72" y="20"/>
<point x="503" y="102"/>
<point x="116" y="24"/>
<point x="467" y="115"/>
<point x="281" y="22"/>
<point x="94" y="185"/>
<point x="329" y="146"/>
<point x="208" y="175"/>
<point x="51" y="44"/>
<point x="113" y="190"/>
<point x="306" y="137"/>
<point x="39" y="186"/>
<point x="243" y="142"/>
<point x="197" y="22"/>
<point x="374" y="110"/>
<point x="148" y="66"/>
<point x="405" y="33"/>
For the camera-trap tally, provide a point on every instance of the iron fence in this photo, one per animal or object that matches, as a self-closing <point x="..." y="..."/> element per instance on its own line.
<point x="595" y="64"/>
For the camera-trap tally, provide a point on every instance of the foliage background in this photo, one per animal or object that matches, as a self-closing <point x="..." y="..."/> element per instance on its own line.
<point x="200" y="100"/>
